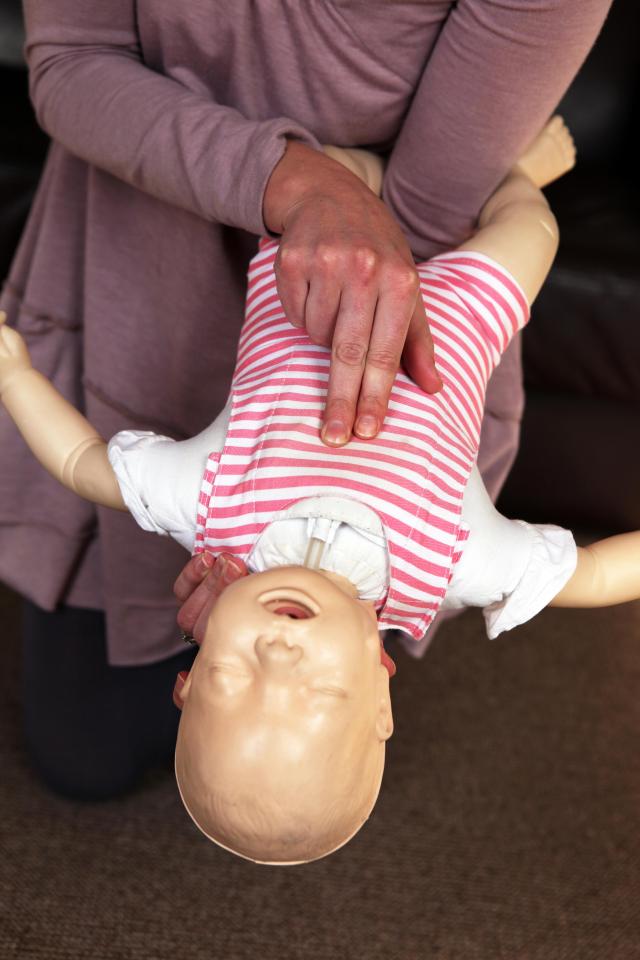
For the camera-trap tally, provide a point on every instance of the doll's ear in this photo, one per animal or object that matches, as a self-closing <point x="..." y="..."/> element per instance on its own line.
<point x="384" y="718"/>
<point x="181" y="688"/>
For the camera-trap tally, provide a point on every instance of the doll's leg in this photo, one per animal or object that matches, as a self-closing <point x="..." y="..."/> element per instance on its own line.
<point x="92" y="730"/>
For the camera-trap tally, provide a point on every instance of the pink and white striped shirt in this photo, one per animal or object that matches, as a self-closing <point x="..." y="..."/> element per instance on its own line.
<point x="413" y="474"/>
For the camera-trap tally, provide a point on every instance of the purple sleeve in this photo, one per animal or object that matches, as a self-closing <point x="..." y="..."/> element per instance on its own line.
<point x="94" y="95"/>
<point x="494" y="77"/>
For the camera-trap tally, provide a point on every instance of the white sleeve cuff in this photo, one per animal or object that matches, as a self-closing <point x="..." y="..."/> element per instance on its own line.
<point x="552" y="561"/>
<point x="126" y="454"/>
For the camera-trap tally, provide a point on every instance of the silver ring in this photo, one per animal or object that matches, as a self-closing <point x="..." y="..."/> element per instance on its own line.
<point x="187" y="638"/>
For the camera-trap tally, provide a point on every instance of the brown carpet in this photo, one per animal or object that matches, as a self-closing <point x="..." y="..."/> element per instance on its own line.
<point x="508" y="826"/>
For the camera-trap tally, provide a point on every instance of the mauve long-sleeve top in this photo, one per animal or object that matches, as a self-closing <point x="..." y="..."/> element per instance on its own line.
<point x="167" y="119"/>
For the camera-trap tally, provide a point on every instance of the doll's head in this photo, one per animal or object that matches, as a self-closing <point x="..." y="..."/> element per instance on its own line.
<point x="285" y="715"/>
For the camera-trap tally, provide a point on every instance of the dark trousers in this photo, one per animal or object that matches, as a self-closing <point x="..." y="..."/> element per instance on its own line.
<point x="93" y="730"/>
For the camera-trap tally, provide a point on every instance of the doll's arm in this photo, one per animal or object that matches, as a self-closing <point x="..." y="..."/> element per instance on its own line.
<point x="518" y="230"/>
<point x="607" y="572"/>
<point x="516" y="227"/>
<point x="368" y="166"/>
<point x="64" y="442"/>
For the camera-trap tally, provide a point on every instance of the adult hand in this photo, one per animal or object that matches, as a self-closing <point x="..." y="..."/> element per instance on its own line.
<point x="200" y="584"/>
<point x="345" y="273"/>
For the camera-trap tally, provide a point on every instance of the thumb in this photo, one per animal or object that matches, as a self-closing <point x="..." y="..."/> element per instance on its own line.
<point x="418" y="357"/>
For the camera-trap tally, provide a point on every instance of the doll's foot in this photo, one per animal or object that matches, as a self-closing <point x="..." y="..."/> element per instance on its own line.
<point x="551" y="154"/>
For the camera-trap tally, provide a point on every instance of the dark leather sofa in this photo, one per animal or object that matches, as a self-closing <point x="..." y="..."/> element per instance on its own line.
<point x="579" y="463"/>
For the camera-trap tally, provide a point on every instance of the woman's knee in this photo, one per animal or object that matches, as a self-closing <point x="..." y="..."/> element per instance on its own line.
<point x="75" y="719"/>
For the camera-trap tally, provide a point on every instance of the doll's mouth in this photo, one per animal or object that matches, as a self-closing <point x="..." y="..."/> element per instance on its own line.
<point x="289" y="603"/>
<point x="289" y="608"/>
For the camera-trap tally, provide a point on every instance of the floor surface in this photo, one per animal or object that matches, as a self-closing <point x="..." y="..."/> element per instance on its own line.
<point x="508" y="825"/>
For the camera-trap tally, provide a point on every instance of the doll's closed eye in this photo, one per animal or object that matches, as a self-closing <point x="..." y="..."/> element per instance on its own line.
<point x="228" y="677"/>
<point x="331" y="692"/>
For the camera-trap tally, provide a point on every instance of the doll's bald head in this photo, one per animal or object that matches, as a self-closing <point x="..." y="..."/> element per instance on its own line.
<point x="286" y="712"/>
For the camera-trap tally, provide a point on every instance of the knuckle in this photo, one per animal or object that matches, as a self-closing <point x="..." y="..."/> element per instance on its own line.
<point x="290" y="261"/>
<point x="350" y="352"/>
<point x="406" y="280"/>
<point x="366" y="262"/>
<point x="384" y="358"/>
<point x="326" y="258"/>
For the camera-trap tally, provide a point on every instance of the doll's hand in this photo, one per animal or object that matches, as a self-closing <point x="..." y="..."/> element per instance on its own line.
<point x="14" y="356"/>
<point x="200" y="584"/>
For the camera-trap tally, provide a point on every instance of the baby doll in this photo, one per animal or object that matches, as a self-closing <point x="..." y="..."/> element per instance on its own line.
<point x="286" y="711"/>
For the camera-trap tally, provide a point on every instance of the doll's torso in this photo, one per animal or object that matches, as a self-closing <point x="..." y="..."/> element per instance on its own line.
<point x="413" y="475"/>
<point x="270" y="485"/>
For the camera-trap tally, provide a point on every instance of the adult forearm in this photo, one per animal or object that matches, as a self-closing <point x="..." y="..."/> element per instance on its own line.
<point x="496" y="74"/>
<point x="93" y="94"/>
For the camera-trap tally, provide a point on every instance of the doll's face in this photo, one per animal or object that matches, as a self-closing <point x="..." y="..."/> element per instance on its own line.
<point x="287" y="693"/>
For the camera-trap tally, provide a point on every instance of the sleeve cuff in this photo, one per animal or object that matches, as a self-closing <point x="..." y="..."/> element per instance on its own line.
<point x="124" y="451"/>
<point x="552" y="562"/>
<point x="264" y="150"/>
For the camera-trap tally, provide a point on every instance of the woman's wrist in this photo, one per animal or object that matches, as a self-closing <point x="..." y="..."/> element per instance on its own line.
<point x="364" y="164"/>
<point x="301" y="172"/>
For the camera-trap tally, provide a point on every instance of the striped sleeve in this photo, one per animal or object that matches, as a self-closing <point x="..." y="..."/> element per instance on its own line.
<point x="486" y="294"/>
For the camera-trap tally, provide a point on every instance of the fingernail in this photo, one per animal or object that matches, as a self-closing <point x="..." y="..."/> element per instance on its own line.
<point x="231" y="570"/>
<point x="334" y="432"/>
<point x="206" y="563"/>
<point x="366" y="426"/>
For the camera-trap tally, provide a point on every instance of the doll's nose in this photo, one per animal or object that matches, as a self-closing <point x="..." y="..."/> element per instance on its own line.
<point x="277" y="651"/>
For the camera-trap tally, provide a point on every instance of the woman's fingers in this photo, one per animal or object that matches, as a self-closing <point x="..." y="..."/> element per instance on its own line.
<point x="368" y="308"/>
<point x="348" y="357"/>
<point x="394" y="309"/>
<point x="323" y="305"/>
<point x="192" y="575"/>
<point x="377" y="307"/>
<point x="202" y="581"/>
<point x="191" y="609"/>
<point x="293" y="288"/>
<point x="418" y="357"/>
<point x="345" y="272"/>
